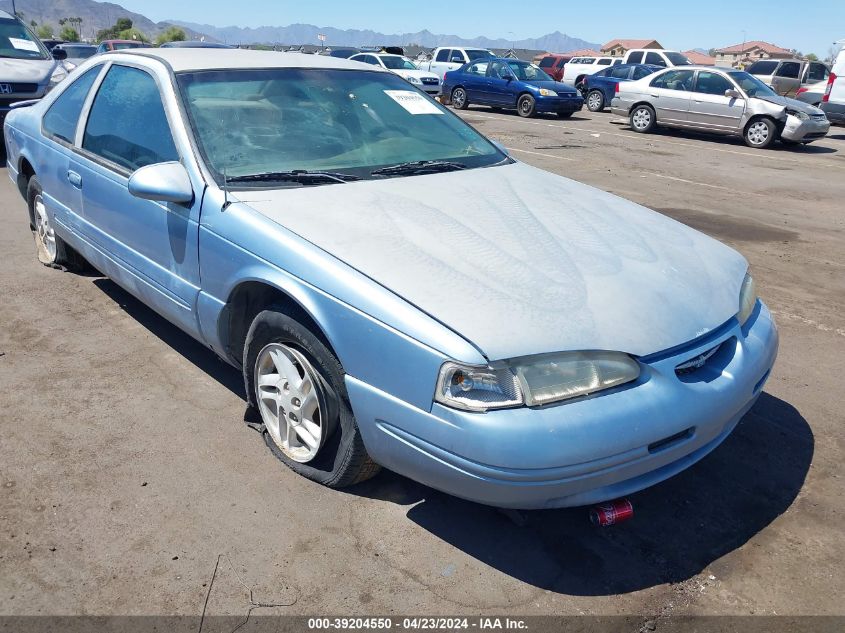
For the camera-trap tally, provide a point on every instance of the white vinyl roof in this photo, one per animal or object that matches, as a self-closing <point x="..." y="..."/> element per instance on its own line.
<point x="181" y="59"/>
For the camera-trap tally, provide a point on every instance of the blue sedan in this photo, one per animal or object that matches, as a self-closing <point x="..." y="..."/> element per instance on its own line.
<point x="510" y="84"/>
<point x="395" y="290"/>
<point x="598" y="89"/>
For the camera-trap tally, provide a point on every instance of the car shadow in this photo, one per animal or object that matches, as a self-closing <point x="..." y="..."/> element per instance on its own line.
<point x="738" y="142"/>
<point x="679" y="527"/>
<point x="176" y="339"/>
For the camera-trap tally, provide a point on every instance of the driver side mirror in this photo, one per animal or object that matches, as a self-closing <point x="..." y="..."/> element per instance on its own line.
<point x="163" y="182"/>
<point x="59" y="54"/>
<point x="731" y="93"/>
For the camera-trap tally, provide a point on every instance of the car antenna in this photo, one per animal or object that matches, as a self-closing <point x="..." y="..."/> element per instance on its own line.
<point x="226" y="202"/>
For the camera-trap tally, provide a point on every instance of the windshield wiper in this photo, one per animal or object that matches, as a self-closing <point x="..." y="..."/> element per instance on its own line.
<point x="300" y="176"/>
<point x="418" y="167"/>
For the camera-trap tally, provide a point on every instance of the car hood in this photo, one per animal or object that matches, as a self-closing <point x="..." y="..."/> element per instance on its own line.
<point x="552" y="85"/>
<point x="793" y="104"/>
<point x="520" y="261"/>
<point x="419" y="74"/>
<point x="26" y="70"/>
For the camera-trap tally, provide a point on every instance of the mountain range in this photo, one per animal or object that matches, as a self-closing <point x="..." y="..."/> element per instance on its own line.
<point x="307" y="34"/>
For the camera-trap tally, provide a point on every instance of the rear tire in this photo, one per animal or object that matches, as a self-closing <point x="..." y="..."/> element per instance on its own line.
<point x="760" y="133"/>
<point x="643" y="119"/>
<point x="459" y="99"/>
<point x="526" y="106"/>
<point x="595" y="101"/>
<point x="51" y="250"/>
<point x="297" y="385"/>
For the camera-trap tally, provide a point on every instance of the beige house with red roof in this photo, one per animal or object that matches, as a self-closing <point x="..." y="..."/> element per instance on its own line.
<point x="618" y="48"/>
<point x="750" y="52"/>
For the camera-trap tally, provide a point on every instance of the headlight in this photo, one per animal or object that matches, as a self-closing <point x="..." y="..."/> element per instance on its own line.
<point x="58" y="75"/>
<point x="552" y="377"/>
<point x="545" y="92"/>
<point x="802" y="116"/>
<point x="414" y="80"/>
<point x="747" y="299"/>
<point x="532" y="380"/>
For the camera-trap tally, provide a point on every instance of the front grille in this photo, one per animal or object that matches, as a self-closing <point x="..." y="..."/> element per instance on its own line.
<point x="430" y="81"/>
<point x="694" y="364"/>
<point x="23" y="88"/>
<point x="819" y="117"/>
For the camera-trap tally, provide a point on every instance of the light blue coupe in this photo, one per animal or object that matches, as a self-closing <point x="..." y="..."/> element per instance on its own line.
<point x="397" y="290"/>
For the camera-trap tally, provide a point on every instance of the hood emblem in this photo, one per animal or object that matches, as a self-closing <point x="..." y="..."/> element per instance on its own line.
<point x="5" y="89"/>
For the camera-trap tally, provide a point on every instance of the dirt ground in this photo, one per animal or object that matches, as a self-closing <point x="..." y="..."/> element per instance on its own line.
<point x="126" y="468"/>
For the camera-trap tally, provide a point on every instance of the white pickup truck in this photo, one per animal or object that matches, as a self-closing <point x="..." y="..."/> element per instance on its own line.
<point x="448" y="58"/>
<point x="579" y="67"/>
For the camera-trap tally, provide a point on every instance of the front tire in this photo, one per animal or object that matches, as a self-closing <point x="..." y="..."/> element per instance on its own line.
<point x="595" y="101"/>
<point x="526" y="106"/>
<point x="459" y="99"/>
<point x="297" y="385"/>
<point x="643" y="119"/>
<point x="51" y="250"/>
<point x="760" y="133"/>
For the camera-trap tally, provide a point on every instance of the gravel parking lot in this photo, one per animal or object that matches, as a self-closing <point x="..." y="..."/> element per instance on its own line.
<point x="126" y="466"/>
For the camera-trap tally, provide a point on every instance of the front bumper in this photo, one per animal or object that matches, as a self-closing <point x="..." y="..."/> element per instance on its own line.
<point x="835" y="112"/>
<point x="583" y="451"/>
<point x="433" y="89"/>
<point x="797" y="130"/>
<point x="559" y="104"/>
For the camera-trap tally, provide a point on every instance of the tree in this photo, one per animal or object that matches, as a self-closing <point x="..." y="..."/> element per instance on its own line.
<point x="171" y="34"/>
<point x="123" y="24"/>
<point x="122" y="30"/>
<point x="68" y="34"/>
<point x="812" y="57"/>
<point x="44" y="32"/>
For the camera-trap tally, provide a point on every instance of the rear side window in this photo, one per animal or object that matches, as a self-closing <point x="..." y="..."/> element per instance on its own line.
<point x="789" y="70"/>
<point x="443" y="55"/>
<point x="675" y="80"/>
<point x="636" y="58"/>
<point x="127" y="124"/>
<point x="655" y="58"/>
<point x="547" y="62"/>
<point x="618" y="72"/>
<point x="817" y="72"/>
<point x="642" y="71"/>
<point x="62" y="117"/>
<point x="762" y="68"/>
<point x="605" y="62"/>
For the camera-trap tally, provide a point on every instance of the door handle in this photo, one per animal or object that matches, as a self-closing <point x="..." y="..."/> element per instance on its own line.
<point x="74" y="179"/>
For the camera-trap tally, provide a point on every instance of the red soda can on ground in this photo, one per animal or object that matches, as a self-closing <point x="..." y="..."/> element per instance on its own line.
<point x="612" y="512"/>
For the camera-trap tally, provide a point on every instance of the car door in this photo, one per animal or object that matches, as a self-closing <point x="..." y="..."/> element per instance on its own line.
<point x="670" y="95"/>
<point x="439" y="65"/>
<point x="475" y="81"/>
<point x="61" y="194"/>
<point x="815" y="72"/>
<point x="501" y="91"/>
<point x="149" y="248"/>
<point x="710" y="108"/>
<point x="787" y="78"/>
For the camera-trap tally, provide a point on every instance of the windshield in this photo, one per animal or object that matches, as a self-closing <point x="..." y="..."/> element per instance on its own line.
<point x="397" y="63"/>
<point x="752" y="86"/>
<point x="350" y="121"/>
<point x="677" y="59"/>
<point x="79" y="52"/>
<point x="16" y="42"/>
<point x="478" y="54"/>
<point x="528" y="72"/>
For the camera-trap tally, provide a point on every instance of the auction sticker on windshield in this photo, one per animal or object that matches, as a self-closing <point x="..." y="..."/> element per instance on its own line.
<point x="413" y="102"/>
<point x="23" y="45"/>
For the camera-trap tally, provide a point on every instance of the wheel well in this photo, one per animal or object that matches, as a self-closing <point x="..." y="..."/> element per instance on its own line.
<point x="25" y="173"/>
<point x="643" y="103"/>
<point x="579" y="79"/>
<point x="758" y="117"/>
<point x="244" y="304"/>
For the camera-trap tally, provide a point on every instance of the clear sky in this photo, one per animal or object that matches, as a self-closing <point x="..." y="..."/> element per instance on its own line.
<point x="810" y="27"/>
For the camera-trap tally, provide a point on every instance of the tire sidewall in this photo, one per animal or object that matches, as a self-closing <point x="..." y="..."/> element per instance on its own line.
<point x="33" y="189"/>
<point x="273" y="326"/>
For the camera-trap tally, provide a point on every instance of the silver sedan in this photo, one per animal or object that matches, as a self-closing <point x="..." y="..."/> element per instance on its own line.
<point x="714" y="100"/>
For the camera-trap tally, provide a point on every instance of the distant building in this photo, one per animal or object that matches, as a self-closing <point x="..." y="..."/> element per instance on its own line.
<point x="525" y="54"/>
<point x="618" y="48"/>
<point x="748" y="53"/>
<point x="699" y="59"/>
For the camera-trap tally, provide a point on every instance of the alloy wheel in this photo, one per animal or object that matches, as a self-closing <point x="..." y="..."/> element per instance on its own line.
<point x="459" y="97"/>
<point x="641" y="119"/>
<point x="43" y="228"/>
<point x="758" y="133"/>
<point x="594" y="101"/>
<point x="291" y="401"/>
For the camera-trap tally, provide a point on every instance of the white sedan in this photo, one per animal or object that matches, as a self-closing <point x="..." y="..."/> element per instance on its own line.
<point x="405" y="68"/>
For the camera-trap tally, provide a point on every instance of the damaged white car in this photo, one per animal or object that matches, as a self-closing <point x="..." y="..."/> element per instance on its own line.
<point x="722" y="101"/>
